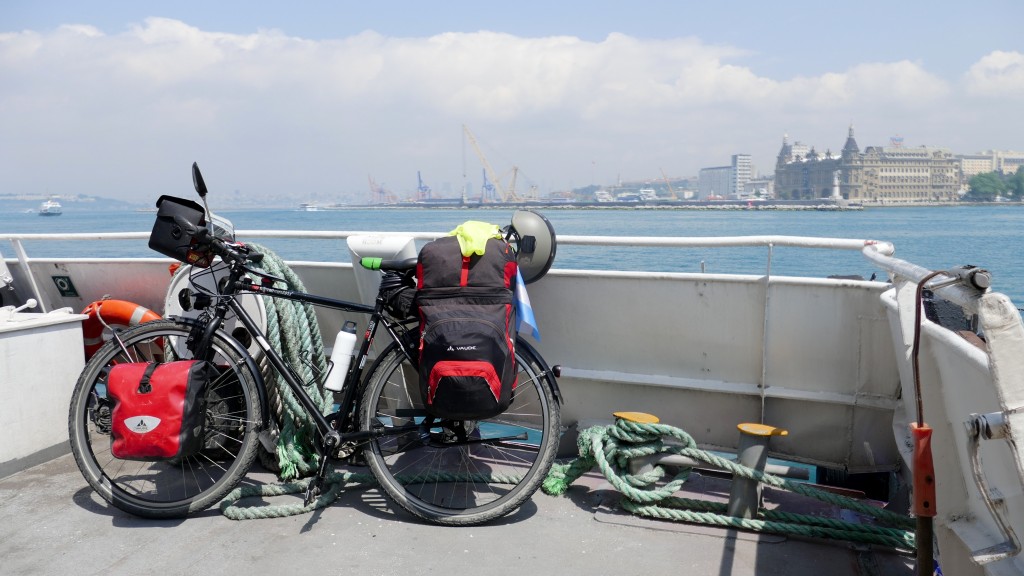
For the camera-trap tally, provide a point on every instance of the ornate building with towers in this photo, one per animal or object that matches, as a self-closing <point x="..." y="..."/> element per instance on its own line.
<point x="876" y="175"/>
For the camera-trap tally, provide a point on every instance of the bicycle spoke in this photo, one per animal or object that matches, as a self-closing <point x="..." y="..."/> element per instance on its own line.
<point x="174" y="487"/>
<point x="458" y="472"/>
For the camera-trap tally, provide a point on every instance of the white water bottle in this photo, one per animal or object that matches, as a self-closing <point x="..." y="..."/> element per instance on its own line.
<point x="341" y="356"/>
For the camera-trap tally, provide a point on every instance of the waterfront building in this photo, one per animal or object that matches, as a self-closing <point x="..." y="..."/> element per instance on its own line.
<point x="801" y="173"/>
<point x="715" y="183"/>
<point x="726" y="182"/>
<point x="879" y="174"/>
<point x="759" y="188"/>
<point x="974" y="164"/>
<point x="742" y="172"/>
<point x="1006" y="162"/>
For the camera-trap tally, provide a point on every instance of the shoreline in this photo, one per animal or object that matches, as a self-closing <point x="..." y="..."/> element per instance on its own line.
<point x="717" y="205"/>
<point x="738" y="205"/>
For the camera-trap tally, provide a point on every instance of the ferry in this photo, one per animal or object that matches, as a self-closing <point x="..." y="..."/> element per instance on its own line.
<point x="50" y="208"/>
<point x="847" y="368"/>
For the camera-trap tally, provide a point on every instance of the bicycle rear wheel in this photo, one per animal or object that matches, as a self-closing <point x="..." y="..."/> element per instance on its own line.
<point x="465" y="472"/>
<point x="176" y="487"/>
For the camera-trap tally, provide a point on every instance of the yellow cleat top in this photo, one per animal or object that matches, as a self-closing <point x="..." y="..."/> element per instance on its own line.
<point x="637" y="417"/>
<point x="761" y="429"/>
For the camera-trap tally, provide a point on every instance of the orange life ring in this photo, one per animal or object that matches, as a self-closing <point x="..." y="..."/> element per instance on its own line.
<point x="115" y="313"/>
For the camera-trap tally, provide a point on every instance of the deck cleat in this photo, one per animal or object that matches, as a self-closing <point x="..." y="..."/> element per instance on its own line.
<point x="745" y="495"/>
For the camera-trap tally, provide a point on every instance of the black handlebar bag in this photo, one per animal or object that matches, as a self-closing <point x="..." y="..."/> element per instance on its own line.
<point x="159" y="409"/>
<point x="170" y="239"/>
<point x="467" y="318"/>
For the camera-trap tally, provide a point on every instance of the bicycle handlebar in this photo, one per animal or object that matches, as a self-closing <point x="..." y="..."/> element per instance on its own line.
<point x="234" y="253"/>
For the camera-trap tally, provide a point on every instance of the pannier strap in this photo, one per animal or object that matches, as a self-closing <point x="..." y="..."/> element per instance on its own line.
<point x="464" y="275"/>
<point x="447" y="368"/>
<point x="144" y="386"/>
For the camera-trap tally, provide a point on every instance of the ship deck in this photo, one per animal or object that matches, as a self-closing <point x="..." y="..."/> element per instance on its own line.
<point x="51" y="522"/>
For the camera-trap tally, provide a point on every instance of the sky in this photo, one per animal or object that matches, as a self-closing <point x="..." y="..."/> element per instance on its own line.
<point x="312" y="101"/>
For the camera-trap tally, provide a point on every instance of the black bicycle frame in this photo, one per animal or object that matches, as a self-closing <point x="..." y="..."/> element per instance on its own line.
<point x="355" y="369"/>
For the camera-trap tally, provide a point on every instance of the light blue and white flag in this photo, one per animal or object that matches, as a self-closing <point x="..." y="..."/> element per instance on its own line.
<point x="524" y="310"/>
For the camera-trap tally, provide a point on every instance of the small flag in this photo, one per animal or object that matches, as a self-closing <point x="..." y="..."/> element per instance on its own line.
<point x="524" y="310"/>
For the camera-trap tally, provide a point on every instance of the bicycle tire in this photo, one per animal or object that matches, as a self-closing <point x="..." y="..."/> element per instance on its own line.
<point x="177" y="487"/>
<point x="433" y="476"/>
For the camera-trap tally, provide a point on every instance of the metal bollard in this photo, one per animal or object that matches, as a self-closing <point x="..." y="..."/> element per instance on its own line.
<point x="745" y="495"/>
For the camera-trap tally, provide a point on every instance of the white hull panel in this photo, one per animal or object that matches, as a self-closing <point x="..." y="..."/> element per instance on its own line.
<point x="827" y="359"/>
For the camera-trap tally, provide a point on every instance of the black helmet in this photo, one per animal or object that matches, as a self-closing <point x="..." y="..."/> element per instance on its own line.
<point x="535" y="244"/>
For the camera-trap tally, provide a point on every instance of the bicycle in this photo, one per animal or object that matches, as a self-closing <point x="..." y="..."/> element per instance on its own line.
<point x="445" y="472"/>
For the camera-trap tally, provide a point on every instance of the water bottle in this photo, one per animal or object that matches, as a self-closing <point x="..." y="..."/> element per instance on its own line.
<point x="341" y="356"/>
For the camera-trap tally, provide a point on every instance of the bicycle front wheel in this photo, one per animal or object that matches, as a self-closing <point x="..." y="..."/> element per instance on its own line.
<point x="464" y="472"/>
<point x="167" y="488"/>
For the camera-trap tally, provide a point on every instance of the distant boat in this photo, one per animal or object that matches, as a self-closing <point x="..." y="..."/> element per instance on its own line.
<point x="308" y="207"/>
<point x="50" y="208"/>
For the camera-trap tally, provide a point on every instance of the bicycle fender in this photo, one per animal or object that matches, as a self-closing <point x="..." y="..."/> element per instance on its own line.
<point x="548" y="372"/>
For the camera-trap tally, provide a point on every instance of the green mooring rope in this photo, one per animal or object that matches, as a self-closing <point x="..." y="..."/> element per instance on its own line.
<point x="610" y="448"/>
<point x="333" y="485"/>
<point x="293" y="331"/>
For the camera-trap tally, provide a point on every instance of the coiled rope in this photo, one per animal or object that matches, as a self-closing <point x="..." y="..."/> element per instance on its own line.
<point x="610" y="448"/>
<point x="294" y="333"/>
<point x="334" y="482"/>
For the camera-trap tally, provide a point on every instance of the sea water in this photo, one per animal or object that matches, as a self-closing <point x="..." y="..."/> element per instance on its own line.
<point x="939" y="238"/>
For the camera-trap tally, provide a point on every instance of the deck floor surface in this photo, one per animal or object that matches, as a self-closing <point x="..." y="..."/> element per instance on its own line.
<point x="52" y="523"/>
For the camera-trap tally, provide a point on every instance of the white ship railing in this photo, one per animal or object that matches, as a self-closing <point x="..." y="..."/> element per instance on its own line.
<point x="882" y="249"/>
<point x="880" y="253"/>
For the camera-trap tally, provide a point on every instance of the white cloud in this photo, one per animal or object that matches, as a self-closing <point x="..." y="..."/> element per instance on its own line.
<point x="997" y="74"/>
<point x="275" y="112"/>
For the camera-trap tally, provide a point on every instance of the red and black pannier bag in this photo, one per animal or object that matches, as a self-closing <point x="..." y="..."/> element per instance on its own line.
<point x="467" y="318"/>
<point x="158" y="408"/>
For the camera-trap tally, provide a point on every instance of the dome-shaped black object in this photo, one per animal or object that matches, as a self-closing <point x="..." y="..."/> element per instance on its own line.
<point x="536" y="244"/>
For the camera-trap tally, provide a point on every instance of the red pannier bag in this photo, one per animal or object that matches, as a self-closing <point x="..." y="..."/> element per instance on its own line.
<point x="467" y="318"/>
<point x="159" y="409"/>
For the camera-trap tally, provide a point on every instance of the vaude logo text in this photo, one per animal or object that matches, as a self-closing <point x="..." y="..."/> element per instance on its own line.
<point x="460" y="348"/>
<point x="141" y="424"/>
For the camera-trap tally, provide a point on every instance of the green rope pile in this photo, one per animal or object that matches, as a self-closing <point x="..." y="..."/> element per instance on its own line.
<point x="333" y="485"/>
<point x="294" y="333"/>
<point x="611" y="447"/>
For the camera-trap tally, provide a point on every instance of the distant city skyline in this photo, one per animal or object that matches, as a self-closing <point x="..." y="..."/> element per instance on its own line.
<point x="314" y="100"/>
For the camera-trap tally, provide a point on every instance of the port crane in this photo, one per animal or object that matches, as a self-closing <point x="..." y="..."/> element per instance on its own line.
<point x="506" y="195"/>
<point x="422" y="190"/>
<point x="671" y="192"/>
<point x="378" y="195"/>
<point x="486" y="189"/>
